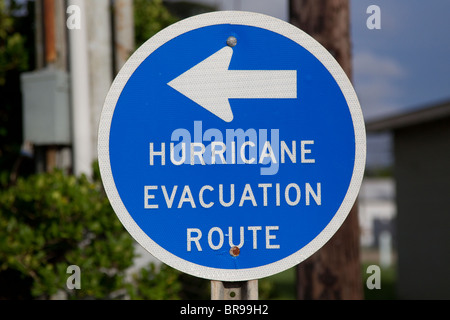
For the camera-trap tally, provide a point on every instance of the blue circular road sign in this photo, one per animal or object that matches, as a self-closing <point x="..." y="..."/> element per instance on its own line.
<point x="232" y="146"/>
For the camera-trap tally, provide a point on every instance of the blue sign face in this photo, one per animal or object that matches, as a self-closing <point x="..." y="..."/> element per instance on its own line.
<point x="232" y="160"/>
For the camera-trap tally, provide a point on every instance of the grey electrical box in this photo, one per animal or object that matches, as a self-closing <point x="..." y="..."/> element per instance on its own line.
<point x="46" y="112"/>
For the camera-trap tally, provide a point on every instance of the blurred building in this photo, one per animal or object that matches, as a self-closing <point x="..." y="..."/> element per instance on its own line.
<point x="80" y="46"/>
<point x="421" y="143"/>
<point x="377" y="210"/>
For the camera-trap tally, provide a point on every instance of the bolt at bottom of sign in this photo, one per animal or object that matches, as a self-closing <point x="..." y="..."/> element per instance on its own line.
<point x="235" y="251"/>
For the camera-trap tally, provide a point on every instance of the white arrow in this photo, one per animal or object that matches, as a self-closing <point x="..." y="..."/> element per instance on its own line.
<point x="210" y="84"/>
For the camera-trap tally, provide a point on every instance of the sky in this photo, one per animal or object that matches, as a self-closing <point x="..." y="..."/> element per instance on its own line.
<point x="402" y="66"/>
<point x="406" y="63"/>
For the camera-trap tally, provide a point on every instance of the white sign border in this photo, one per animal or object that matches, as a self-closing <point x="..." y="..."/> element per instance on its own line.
<point x="240" y="18"/>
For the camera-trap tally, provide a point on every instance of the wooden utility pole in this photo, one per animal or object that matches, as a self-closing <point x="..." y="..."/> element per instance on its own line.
<point x="124" y="32"/>
<point x="334" y="271"/>
<point x="327" y="21"/>
<point x="49" y="27"/>
<point x="51" y="53"/>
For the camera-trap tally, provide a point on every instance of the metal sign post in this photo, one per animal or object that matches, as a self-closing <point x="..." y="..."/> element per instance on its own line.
<point x="244" y="290"/>
<point x="232" y="147"/>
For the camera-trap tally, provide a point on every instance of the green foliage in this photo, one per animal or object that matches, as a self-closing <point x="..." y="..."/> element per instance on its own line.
<point x="16" y="50"/>
<point x="13" y="54"/>
<point x="156" y="284"/>
<point x="150" y="16"/>
<point x="51" y="221"/>
<point x="185" y="9"/>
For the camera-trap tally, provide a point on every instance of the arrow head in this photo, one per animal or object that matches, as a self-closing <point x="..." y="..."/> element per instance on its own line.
<point x="204" y="84"/>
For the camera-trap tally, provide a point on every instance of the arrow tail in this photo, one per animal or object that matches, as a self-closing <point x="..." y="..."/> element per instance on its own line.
<point x="261" y="84"/>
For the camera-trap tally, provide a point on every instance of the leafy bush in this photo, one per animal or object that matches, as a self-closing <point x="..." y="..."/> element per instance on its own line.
<point x="16" y="56"/>
<point x="156" y="284"/>
<point x="51" y="221"/>
<point x="150" y="16"/>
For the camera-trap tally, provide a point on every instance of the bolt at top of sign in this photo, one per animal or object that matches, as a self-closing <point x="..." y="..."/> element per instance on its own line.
<point x="231" y="41"/>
